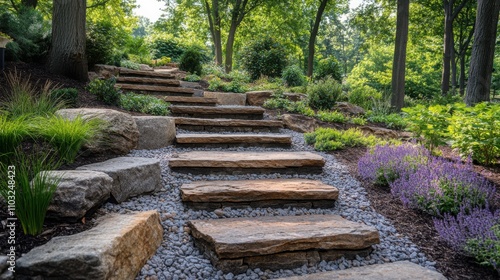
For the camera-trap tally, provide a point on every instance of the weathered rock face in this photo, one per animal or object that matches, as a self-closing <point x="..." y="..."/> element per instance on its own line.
<point x="257" y="98"/>
<point x="234" y="139"/>
<point x="387" y="271"/>
<point x="145" y="67"/>
<point x="119" y="136"/>
<point x="227" y="98"/>
<point x="380" y="131"/>
<point x="131" y="175"/>
<point x="229" y="112"/>
<point x="155" y="132"/>
<point x="117" y="248"/>
<point x="295" y="96"/>
<point x="348" y="108"/>
<point x="300" y="123"/>
<point x="234" y="125"/>
<point x="78" y="192"/>
<point x="106" y="71"/>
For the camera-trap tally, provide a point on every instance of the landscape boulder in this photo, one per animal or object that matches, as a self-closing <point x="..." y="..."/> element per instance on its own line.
<point x="119" y="135"/>
<point x="257" y="98"/>
<point x="348" y="108"/>
<point x="106" y="71"/>
<point x="155" y="132"/>
<point x="227" y="98"/>
<point x="300" y="123"/>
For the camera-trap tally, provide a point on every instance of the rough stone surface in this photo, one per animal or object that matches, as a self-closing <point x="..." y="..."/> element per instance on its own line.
<point x="106" y="71"/>
<point x="151" y="74"/>
<point x="380" y="131"/>
<point x="217" y="111"/>
<point x="300" y="123"/>
<point x="388" y="271"/>
<point x="348" y="108"/>
<point x="257" y="190"/>
<point x="257" y="98"/>
<point x="131" y="175"/>
<point x="190" y="100"/>
<point x="149" y="81"/>
<point x="295" y="96"/>
<point x="227" y="124"/>
<point x="157" y="89"/>
<point x="78" y="192"/>
<point x="155" y="132"/>
<point x="218" y="159"/>
<point x="117" y="248"/>
<point x="227" y="98"/>
<point x="233" y="139"/>
<point x="256" y="236"/>
<point x="119" y="136"/>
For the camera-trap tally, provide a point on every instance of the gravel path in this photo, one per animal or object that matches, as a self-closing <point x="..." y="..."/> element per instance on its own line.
<point x="177" y="257"/>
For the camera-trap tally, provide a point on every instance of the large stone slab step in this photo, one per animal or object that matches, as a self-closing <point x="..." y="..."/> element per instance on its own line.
<point x="148" y="81"/>
<point x="160" y="90"/>
<point x="228" y="112"/>
<point x="223" y="140"/>
<point x="259" y="193"/>
<point x="150" y="74"/>
<point x="219" y="125"/>
<point x="403" y="270"/>
<point x="236" y="244"/>
<point x="247" y="162"/>
<point x="191" y="100"/>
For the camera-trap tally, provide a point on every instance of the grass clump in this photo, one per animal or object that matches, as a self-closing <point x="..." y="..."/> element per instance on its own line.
<point x="331" y="116"/>
<point x="105" y="90"/>
<point x="68" y="95"/>
<point x="12" y="133"/>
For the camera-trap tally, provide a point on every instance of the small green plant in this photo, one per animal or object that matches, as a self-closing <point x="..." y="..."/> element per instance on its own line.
<point x="144" y="104"/>
<point x="393" y="121"/>
<point x="217" y="84"/>
<point x="299" y="107"/>
<point x="323" y="94"/>
<point x="67" y="136"/>
<point x="358" y="120"/>
<point x="68" y="95"/>
<point x="293" y="77"/>
<point x="264" y="57"/>
<point x="105" y="90"/>
<point x="331" y="116"/>
<point x="328" y="67"/>
<point x="191" y="61"/>
<point x="486" y="251"/>
<point x="192" y="78"/>
<point x="329" y="139"/>
<point x="12" y="133"/>
<point x="364" y="96"/>
<point x="130" y="64"/>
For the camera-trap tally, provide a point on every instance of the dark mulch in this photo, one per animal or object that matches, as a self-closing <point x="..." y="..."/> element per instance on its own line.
<point x="418" y="226"/>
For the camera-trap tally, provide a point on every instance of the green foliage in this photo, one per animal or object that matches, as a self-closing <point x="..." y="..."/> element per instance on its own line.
<point x="167" y="47"/>
<point x="33" y="189"/>
<point x="328" y="67"/>
<point x="329" y="139"/>
<point x="393" y="121"/>
<point x="105" y="90"/>
<point x="162" y="61"/>
<point x="67" y="136"/>
<point x="191" y="60"/>
<point x="476" y="131"/>
<point x="192" y="78"/>
<point x="100" y="43"/>
<point x="293" y="77"/>
<point x="323" y="94"/>
<point x="331" y="116"/>
<point x="130" y="64"/>
<point x="67" y="95"/>
<point x="358" y="120"/>
<point x="264" y="57"/>
<point x="12" y="133"/>
<point x="429" y="123"/>
<point x="144" y="104"/>
<point x="363" y="96"/>
<point x="486" y="251"/>
<point x="217" y="84"/>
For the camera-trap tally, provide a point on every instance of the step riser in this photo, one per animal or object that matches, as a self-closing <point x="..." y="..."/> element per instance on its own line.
<point x="145" y="74"/>
<point x="228" y="128"/>
<point x="218" y="116"/>
<point x="309" y="204"/>
<point x="192" y="104"/>
<point x="241" y="171"/>
<point x="148" y="81"/>
<point x="233" y="145"/>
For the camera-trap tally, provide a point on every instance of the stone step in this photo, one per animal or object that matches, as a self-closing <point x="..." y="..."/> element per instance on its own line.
<point x="403" y="270"/>
<point x="247" y="162"/>
<point x="150" y="74"/>
<point x="148" y="81"/>
<point x="224" y="140"/>
<point x="160" y="90"/>
<point x="214" y="125"/>
<point x="281" y="242"/>
<point x="228" y="112"/>
<point x="191" y="100"/>
<point x="209" y="195"/>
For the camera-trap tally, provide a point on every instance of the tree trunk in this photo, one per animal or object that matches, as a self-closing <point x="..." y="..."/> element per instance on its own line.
<point x="398" y="68"/>
<point x="229" y="47"/>
<point x="483" y="50"/>
<point x="312" y="37"/>
<point x="67" y="56"/>
<point x="462" y="75"/>
<point x="448" y="45"/>
<point x="453" y="67"/>
<point x="214" y="25"/>
<point x="30" y="3"/>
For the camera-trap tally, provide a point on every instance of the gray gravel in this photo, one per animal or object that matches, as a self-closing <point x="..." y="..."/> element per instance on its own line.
<point x="177" y="257"/>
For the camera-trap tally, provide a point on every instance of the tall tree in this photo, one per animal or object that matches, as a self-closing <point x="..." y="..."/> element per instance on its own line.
<point x="214" y="20"/>
<point x="312" y="37"/>
<point x="465" y="22"/>
<point x="399" y="64"/>
<point x="67" y="56"/>
<point x="483" y="50"/>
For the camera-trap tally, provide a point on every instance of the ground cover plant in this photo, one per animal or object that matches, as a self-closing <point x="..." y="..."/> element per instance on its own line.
<point x="144" y="104"/>
<point x="105" y="90"/>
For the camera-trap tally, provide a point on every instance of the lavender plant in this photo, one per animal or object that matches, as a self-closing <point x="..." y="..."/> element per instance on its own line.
<point x="486" y="251"/>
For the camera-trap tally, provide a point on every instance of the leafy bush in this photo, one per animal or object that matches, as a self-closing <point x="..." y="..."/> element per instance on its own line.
<point x="442" y="186"/>
<point x="394" y="120"/>
<point x="105" y="90"/>
<point x="293" y="77"/>
<point x="144" y="104"/>
<point x="331" y="116"/>
<point x="67" y="136"/>
<point x="162" y="61"/>
<point x="190" y="61"/>
<point x="358" y="120"/>
<point x="328" y="67"/>
<point x="130" y="64"/>
<point x="12" y="133"/>
<point x="100" y="43"/>
<point x="166" y="47"/>
<point x="299" y="107"/>
<point x="384" y="164"/>
<point x="192" y="78"/>
<point x="329" y="139"/>
<point x="323" y="94"/>
<point x="476" y="131"/>
<point x="264" y="57"/>
<point x="67" y="95"/>
<point x="33" y="189"/>
<point x="217" y="84"/>
<point x="363" y="96"/>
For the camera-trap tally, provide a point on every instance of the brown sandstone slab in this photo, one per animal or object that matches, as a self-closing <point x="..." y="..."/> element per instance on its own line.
<point x="388" y="271"/>
<point x="191" y="100"/>
<point x="257" y="236"/>
<point x="151" y="74"/>
<point x="258" y="98"/>
<point x="227" y="124"/>
<point x="150" y="81"/>
<point x="233" y="112"/>
<point x="156" y="89"/>
<point x="234" y="139"/>
<point x="257" y="190"/>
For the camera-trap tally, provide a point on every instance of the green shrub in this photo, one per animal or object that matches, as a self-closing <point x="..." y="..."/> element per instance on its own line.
<point x="33" y="189"/>
<point x="217" y="84"/>
<point x="328" y="67"/>
<point x="293" y="77"/>
<point x="264" y="57"/>
<point x="100" y="43"/>
<point x="323" y="94"/>
<point x="358" y="120"/>
<point x="363" y="96"/>
<point x="105" y="90"/>
<point x="329" y="139"/>
<point x="192" y="78"/>
<point x="12" y="133"/>
<point x="144" y="103"/>
<point x="130" y="64"/>
<point x="166" y="47"/>
<point x="67" y="136"/>
<point x="299" y="107"/>
<point x="476" y="131"/>
<point x="67" y="95"/>
<point x="190" y="61"/>
<point x="162" y="61"/>
<point x="393" y="121"/>
<point x="331" y="116"/>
